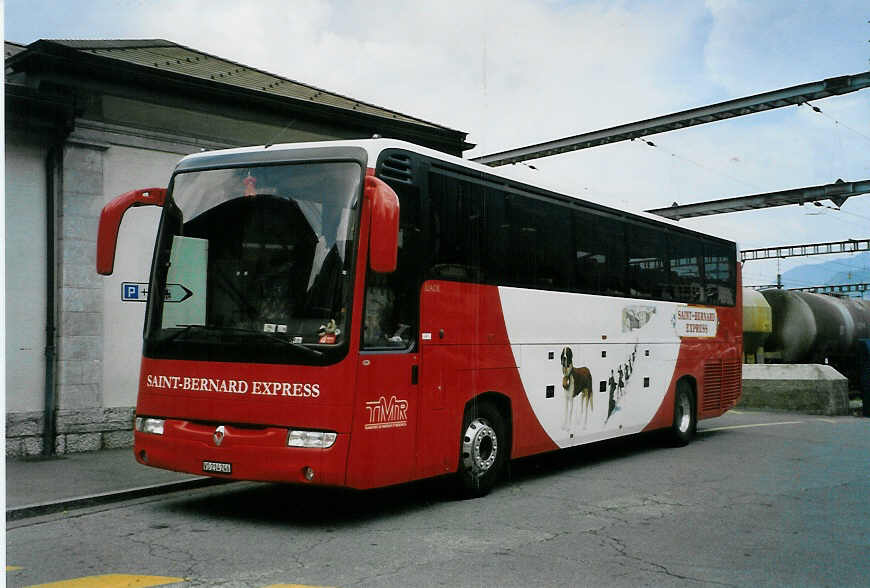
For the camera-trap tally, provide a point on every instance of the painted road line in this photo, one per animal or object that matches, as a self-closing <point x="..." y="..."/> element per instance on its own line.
<point x="13" y="568"/>
<point x="750" y="426"/>
<point x="112" y="581"/>
<point x="293" y="586"/>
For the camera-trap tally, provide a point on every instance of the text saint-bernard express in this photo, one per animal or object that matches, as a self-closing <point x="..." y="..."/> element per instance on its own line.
<point x="297" y="389"/>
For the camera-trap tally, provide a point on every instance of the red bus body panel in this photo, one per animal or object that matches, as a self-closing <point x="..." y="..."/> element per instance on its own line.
<point x="466" y="353"/>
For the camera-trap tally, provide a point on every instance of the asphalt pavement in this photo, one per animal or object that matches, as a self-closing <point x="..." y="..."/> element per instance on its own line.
<point x="39" y="486"/>
<point x="757" y="499"/>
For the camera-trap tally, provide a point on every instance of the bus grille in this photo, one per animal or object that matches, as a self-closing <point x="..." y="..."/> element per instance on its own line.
<point x="721" y="384"/>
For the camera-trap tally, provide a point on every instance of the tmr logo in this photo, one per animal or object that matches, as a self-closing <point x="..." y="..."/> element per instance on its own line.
<point x="384" y="414"/>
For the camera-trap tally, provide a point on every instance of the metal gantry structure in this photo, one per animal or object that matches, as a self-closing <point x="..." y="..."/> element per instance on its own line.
<point x="837" y="193"/>
<point x="840" y="289"/>
<point x="783" y="251"/>
<point x="686" y="118"/>
<point x="848" y="246"/>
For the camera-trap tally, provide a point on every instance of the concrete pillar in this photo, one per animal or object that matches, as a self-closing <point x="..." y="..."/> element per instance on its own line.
<point x="80" y="320"/>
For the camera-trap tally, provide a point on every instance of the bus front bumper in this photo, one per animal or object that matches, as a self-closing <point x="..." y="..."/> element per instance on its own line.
<point x="259" y="454"/>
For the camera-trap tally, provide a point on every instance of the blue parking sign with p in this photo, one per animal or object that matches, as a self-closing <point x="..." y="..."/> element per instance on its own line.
<point x="134" y="292"/>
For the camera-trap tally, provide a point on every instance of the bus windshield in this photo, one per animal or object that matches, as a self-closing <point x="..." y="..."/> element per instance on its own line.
<point x="257" y="256"/>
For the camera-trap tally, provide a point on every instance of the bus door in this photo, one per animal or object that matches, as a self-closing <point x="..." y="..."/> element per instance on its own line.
<point x="383" y="446"/>
<point x="438" y="426"/>
<point x="388" y="433"/>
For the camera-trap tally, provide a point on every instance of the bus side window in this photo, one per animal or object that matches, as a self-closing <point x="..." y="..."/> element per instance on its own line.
<point x="457" y="223"/>
<point x="380" y="325"/>
<point x="599" y="250"/>
<point x="685" y="269"/>
<point x="496" y="239"/>
<point x="392" y="300"/>
<point x="719" y="274"/>
<point x="647" y="275"/>
<point x="540" y="236"/>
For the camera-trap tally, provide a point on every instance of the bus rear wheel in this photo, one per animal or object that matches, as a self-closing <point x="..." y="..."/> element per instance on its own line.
<point x="685" y="417"/>
<point x="483" y="449"/>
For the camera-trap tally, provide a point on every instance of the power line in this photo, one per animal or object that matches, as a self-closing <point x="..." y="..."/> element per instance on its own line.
<point x="794" y="283"/>
<point x="864" y="267"/>
<point x="824" y="210"/>
<point x="853" y="214"/>
<point x="835" y="121"/>
<point x="700" y="165"/>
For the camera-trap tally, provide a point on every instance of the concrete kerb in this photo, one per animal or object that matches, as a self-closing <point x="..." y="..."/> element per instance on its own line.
<point x="91" y="500"/>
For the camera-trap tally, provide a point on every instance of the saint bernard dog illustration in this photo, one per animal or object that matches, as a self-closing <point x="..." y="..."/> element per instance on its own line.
<point x="576" y="382"/>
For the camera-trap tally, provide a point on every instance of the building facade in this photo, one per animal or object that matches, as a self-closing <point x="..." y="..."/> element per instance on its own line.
<point x="85" y="122"/>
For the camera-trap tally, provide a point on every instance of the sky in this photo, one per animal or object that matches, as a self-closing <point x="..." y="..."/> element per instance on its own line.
<point x="517" y="72"/>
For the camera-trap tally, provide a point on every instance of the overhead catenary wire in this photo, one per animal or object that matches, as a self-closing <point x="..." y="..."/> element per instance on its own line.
<point x="787" y="282"/>
<point x="836" y="121"/>
<point x="760" y="276"/>
<point x="854" y="214"/>
<point x="847" y="265"/>
<point x="696" y="163"/>
<point x="823" y="210"/>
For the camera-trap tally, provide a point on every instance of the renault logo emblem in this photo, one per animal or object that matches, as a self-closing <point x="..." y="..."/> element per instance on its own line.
<point x="219" y="435"/>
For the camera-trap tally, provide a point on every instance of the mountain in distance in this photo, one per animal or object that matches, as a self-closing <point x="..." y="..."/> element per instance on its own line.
<point x="843" y="270"/>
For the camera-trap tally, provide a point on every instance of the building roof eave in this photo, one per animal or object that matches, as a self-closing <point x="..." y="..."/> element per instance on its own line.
<point x="70" y="56"/>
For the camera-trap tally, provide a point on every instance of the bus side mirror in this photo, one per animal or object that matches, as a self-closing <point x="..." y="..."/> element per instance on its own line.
<point x="384" y="235"/>
<point x="110" y="221"/>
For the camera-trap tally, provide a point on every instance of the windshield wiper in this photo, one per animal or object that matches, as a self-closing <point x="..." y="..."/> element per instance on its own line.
<point x="236" y="330"/>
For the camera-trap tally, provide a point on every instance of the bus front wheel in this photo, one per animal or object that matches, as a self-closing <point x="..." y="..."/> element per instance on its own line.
<point x="685" y="417"/>
<point x="483" y="449"/>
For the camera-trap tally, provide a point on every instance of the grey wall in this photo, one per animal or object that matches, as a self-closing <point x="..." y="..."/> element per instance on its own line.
<point x="25" y="276"/>
<point x="127" y="168"/>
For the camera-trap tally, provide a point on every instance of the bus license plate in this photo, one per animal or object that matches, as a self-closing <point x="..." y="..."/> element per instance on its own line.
<point x="217" y="467"/>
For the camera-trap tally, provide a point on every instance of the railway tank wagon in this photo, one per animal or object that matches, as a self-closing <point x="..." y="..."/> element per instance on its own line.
<point x="757" y="324"/>
<point x="815" y="328"/>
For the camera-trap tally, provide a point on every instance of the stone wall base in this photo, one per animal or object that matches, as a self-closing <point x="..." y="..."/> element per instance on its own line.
<point x="77" y="431"/>
<point x="806" y="388"/>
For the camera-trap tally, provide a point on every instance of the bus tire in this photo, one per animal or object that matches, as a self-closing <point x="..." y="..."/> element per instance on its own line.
<point x="483" y="449"/>
<point x="685" y="415"/>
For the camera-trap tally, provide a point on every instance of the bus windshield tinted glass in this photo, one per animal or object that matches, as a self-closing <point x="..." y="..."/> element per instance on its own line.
<point x="263" y="251"/>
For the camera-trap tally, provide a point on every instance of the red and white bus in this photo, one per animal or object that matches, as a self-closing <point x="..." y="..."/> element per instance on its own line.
<point x="366" y="313"/>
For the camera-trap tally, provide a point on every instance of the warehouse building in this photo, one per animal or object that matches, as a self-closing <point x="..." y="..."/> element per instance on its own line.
<point x="85" y="122"/>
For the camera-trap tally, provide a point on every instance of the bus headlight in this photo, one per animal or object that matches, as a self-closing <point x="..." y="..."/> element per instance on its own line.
<point x="318" y="439"/>
<point x="150" y="425"/>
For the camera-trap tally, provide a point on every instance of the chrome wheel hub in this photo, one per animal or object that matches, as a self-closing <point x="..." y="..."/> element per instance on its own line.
<point x="479" y="447"/>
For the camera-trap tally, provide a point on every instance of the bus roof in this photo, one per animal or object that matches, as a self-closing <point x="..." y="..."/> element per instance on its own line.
<point x="373" y="148"/>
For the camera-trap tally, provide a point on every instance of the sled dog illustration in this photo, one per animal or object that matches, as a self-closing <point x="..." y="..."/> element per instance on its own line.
<point x="576" y="382"/>
<point x="611" y="401"/>
<point x="620" y="383"/>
